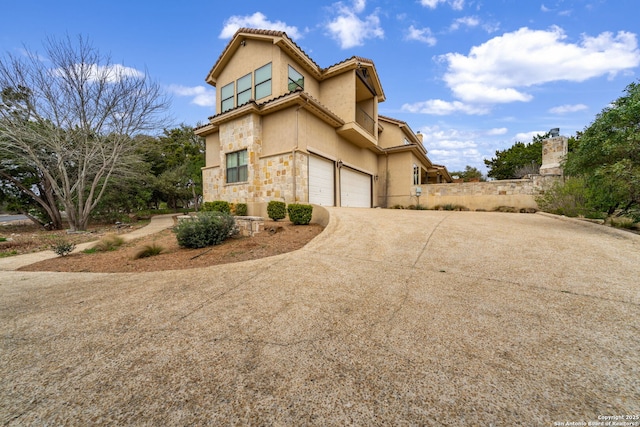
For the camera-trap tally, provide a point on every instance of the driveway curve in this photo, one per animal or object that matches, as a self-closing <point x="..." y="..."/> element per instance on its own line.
<point x="388" y="317"/>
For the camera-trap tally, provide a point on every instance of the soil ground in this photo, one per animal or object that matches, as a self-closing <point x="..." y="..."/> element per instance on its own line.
<point x="25" y="238"/>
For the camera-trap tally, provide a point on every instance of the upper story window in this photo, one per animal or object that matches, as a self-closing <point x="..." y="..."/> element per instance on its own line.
<point x="416" y="174"/>
<point x="237" y="166"/>
<point x="226" y="95"/>
<point x="263" y="81"/>
<point x="244" y="89"/>
<point x="296" y="80"/>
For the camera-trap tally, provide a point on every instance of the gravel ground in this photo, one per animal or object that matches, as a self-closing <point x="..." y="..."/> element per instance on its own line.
<point x="386" y="318"/>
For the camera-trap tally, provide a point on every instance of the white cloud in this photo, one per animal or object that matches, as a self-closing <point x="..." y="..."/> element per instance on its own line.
<point x="257" y="20"/>
<point x="499" y="70"/>
<point x="439" y="107"/>
<point x="527" y="137"/>
<point x="456" y="148"/>
<point x="467" y="21"/>
<point x="568" y="108"/>
<point x="497" y="131"/>
<point x="432" y="4"/>
<point x="108" y="73"/>
<point x="201" y="96"/>
<point x="423" y="35"/>
<point x="349" y="29"/>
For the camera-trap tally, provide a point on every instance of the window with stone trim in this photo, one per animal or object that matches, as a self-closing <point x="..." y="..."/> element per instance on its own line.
<point x="237" y="170"/>
<point x="263" y="81"/>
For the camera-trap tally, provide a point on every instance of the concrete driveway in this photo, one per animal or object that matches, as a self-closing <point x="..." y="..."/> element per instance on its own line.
<point x="387" y="318"/>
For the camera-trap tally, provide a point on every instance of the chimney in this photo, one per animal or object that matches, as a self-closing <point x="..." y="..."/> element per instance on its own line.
<point x="420" y="136"/>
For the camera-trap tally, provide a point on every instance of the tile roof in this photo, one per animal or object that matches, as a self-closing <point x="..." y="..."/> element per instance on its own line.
<point x="282" y="34"/>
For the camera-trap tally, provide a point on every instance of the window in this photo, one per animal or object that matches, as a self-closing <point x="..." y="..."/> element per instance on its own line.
<point x="237" y="166"/>
<point x="244" y="89"/>
<point x="226" y="94"/>
<point x="263" y="81"/>
<point x="296" y="80"/>
<point x="416" y="174"/>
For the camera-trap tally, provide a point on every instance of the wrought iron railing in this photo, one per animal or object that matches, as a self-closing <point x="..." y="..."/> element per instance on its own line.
<point x="365" y="120"/>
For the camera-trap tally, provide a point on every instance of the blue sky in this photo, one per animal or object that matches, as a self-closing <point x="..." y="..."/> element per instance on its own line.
<point x="472" y="76"/>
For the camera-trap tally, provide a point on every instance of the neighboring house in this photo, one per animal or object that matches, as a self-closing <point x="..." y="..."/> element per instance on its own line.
<point x="289" y="130"/>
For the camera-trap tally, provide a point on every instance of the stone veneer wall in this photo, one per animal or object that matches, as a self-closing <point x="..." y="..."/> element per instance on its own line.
<point x="554" y="151"/>
<point x="269" y="177"/>
<point x="516" y="193"/>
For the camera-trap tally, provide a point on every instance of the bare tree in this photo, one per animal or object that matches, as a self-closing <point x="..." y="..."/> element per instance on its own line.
<point x="71" y="114"/>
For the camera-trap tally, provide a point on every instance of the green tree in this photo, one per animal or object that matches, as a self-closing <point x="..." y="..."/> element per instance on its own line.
<point x="518" y="160"/>
<point x="469" y="173"/>
<point x="607" y="155"/>
<point x="176" y="159"/>
<point x="72" y="119"/>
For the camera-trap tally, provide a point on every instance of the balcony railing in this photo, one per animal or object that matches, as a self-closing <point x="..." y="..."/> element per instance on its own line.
<point x="365" y="120"/>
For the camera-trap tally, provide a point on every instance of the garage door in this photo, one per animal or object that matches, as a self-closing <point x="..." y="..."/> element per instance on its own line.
<point x="321" y="181"/>
<point x="355" y="188"/>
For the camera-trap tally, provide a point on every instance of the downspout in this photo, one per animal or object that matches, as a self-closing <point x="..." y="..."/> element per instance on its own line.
<point x="386" y="180"/>
<point x="293" y="153"/>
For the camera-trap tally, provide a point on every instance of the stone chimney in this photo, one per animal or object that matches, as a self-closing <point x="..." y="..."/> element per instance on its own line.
<point x="554" y="149"/>
<point x="420" y="137"/>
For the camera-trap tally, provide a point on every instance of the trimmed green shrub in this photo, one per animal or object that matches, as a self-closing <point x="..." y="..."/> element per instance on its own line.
<point x="300" y="214"/>
<point x="63" y="247"/>
<point x="241" y="209"/>
<point x="216" y="206"/>
<point x="276" y="210"/>
<point x="205" y="229"/>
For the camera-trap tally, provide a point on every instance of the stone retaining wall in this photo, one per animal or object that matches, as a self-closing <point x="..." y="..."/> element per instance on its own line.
<point x="516" y="193"/>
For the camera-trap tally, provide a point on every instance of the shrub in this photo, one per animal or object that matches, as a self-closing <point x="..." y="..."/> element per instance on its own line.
<point x="217" y="206"/>
<point x="110" y="242"/>
<point x="148" y="251"/>
<point x="622" y="222"/>
<point x="508" y="209"/>
<point x="241" y="209"/>
<point x="568" y="198"/>
<point x="205" y="229"/>
<point x="450" y="207"/>
<point x="276" y="210"/>
<point x="3" y="239"/>
<point x="63" y="248"/>
<point x="300" y="214"/>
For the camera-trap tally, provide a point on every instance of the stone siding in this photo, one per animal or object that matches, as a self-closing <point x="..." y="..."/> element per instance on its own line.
<point x="554" y="151"/>
<point x="516" y="193"/>
<point x="281" y="176"/>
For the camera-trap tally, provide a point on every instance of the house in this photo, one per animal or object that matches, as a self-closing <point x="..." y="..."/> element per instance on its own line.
<point x="287" y="129"/>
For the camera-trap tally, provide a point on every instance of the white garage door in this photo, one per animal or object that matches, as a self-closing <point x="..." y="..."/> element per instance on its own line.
<point x="355" y="188"/>
<point x="321" y="181"/>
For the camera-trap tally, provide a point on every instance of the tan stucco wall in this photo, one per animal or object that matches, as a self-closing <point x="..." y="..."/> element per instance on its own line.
<point x="246" y="60"/>
<point x="391" y="136"/>
<point x="280" y="130"/>
<point x="338" y="95"/>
